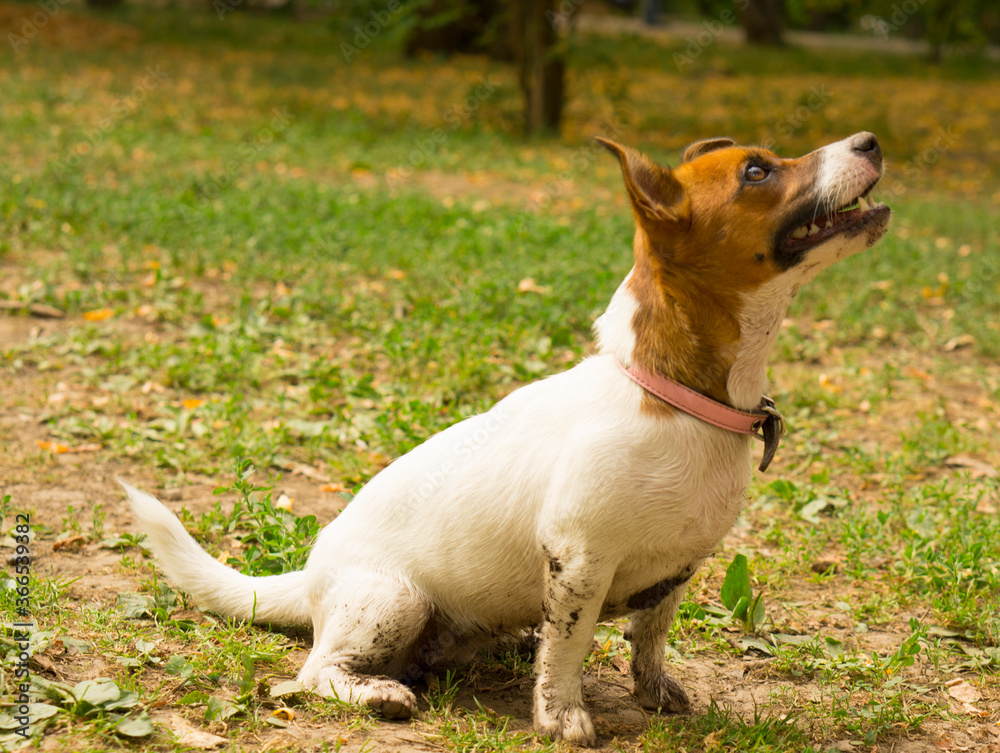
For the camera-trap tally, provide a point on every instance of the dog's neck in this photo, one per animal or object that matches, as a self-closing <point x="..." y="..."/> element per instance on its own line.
<point x="666" y="321"/>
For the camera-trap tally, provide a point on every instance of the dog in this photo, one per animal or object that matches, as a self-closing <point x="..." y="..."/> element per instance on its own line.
<point x="591" y="494"/>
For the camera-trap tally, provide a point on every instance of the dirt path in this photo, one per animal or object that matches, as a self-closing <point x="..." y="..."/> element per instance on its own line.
<point x="674" y="31"/>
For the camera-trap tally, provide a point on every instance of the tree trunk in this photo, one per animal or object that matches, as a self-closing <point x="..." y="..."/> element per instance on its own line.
<point x="542" y="70"/>
<point x="762" y="22"/>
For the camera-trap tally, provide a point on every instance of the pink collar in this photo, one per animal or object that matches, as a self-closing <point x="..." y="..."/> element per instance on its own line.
<point x="764" y="423"/>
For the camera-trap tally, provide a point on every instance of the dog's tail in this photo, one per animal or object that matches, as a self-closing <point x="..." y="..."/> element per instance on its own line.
<point x="280" y="599"/>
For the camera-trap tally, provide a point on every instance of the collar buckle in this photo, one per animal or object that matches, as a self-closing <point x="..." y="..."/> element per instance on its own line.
<point x="769" y="429"/>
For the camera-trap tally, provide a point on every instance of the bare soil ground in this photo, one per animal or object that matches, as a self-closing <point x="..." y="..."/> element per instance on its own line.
<point x="48" y="483"/>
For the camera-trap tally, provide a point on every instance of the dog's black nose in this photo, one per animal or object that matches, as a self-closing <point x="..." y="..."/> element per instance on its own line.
<point x="866" y="145"/>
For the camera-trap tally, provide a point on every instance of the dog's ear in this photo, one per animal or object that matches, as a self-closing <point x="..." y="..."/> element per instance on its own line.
<point x="705" y="146"/>
<point x="654" y="191"/>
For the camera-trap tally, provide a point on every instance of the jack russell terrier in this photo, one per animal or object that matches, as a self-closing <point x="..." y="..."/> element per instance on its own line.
<point x="591" y="494"/>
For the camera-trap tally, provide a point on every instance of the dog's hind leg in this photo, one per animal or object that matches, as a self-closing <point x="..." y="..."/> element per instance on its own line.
<point x="365" y="630"/>
<point x="647" y="632"/>
<point x="574" y="591"/>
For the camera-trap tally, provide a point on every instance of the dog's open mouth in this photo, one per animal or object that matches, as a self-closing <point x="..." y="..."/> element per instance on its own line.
<point x="850" y="219"/>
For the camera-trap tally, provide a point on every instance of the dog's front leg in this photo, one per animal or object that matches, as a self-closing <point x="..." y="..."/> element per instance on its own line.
<point x="575" y="589"/>
<point x="647" y="632"/>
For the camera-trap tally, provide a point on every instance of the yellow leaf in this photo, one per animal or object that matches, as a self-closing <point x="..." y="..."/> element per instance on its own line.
<point x="98" y="315"/>
<point x="528" y="285"/>
<point x="192" y="403"/>
<point x="52" y="447"/>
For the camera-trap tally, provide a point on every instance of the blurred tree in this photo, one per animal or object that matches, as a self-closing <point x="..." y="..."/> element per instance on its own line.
<point x="762" y="21"/>
<point x="951" y="22"/>
<point x="542" y="69"/>
<point x="451" y="26"/>
<point x="103" y="3"/>
<point x="522" y="30"/>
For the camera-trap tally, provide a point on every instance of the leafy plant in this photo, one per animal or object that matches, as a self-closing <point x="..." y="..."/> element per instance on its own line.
<point x="737" y="595"/>
<point x="276" y="540"/>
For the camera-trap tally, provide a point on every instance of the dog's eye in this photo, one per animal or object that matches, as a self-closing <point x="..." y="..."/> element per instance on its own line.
<point x="755" y="173"/>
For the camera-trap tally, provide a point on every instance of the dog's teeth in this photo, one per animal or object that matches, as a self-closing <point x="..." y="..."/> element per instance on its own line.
<point x="813" y="229"/>
<point x="800" y="232"/>
<point x="829" y="223"/>
<point x="862" y="204"/>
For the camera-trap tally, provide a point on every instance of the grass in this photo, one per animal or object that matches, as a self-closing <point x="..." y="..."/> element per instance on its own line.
<point x="265" y="255"/>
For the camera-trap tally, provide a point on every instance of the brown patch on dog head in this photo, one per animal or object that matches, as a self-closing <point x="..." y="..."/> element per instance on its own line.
<point x="704" y="146"/>
<point x="657" y="197"/>
<point x="723" y="223"/>
<point x="703" y="238"/>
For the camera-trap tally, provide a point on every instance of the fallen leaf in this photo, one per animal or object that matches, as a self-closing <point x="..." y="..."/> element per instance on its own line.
<point x="98" y="315"/>
<point x="620" y="663"/>
<point x="189" y="737"/>
<point x="223" y="557"/>
<point x="713" y="740"/>
<point x="40" y="310"/>
<point x="137" y="726"/>
<point x="986" y="507"/>
<point x="73" y="542"/>
<point x="288" y="687"/>
<point x="948" y="744"/>
<point x="284" y="713"/>
<point x="52" y="447"/>
<point x="964" y="692"/>
<point x="333" y="488"/>
<point x="82" y="448"/>
<point x="301" y="469"/>
<point x="977" y="468"/>
<point x="98" y="691"/>
<point x="284" y="502"/>
<point x="528" y="285"/>
<point x="962" y="341"/>
<point x="968" y="708"/>
<point x="192" y="403"/>
<point x="827" y="565"/>
<point x="135" y="606"/>
<point x="923" y="376"/>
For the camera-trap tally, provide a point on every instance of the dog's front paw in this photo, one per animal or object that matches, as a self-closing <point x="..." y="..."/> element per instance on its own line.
<point x="662" y="692"/>
<point x="571" y="724"/>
